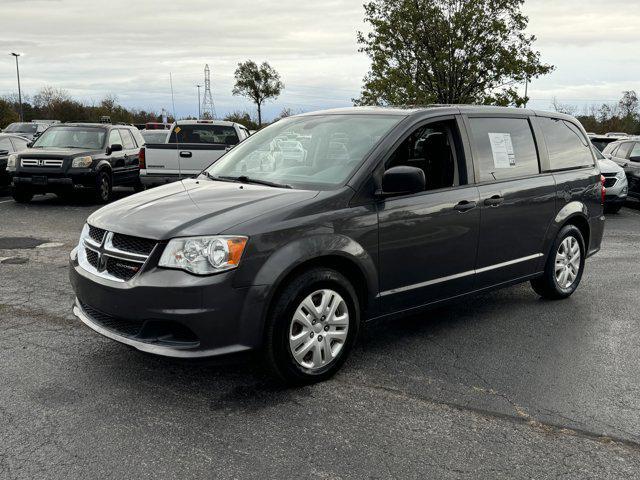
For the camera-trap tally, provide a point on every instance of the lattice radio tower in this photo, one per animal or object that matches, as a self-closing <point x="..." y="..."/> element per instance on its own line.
<point x="208" y="110"/>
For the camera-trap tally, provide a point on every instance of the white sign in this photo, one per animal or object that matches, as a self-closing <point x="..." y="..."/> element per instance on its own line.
<point x="502" y="149"/>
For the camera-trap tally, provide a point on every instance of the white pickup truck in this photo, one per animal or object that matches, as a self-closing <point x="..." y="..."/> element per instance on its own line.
<point x="191" y="146"/>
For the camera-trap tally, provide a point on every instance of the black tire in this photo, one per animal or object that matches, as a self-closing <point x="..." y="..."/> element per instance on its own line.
<point x="277" y="352"/>
<point x="103" y="187"/>
<point x="612" y="209"/>
<point x="547" y="286"/>
<point x="22" y="194"/>
<point x="139" y="187"/>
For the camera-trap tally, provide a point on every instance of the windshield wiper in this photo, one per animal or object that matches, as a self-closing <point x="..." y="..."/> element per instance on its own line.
<point x="217" y="179"/>
<point x="245" y="179"/>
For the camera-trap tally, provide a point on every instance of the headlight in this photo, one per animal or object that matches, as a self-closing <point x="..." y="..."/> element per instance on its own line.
<point x="81" y="162"/>
<point x="11" y="162"/>
<point x="621" y="175"/>
<point x="203" y="255"/>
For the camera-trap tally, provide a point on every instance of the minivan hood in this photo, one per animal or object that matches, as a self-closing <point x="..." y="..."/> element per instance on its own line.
<point x="193" y="207"/>
<point x="609" y="166"/>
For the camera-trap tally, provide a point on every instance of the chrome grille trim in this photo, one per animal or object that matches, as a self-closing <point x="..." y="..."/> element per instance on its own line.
<point x="105" y="251"/>
<point x="40" y="162"/>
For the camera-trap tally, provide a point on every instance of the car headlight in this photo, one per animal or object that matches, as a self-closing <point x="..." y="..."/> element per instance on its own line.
<point x="11" y="162"/>
<point x="81" y="162"/>
<point x="203" y="255"/>
<point x="620" y="175"/>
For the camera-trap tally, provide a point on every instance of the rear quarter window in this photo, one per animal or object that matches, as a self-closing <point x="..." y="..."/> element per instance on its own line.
<point x="566" y="145"/>
<point x="503" y="148"/>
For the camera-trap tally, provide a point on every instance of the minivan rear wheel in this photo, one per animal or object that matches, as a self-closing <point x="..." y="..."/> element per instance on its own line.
<point x="565" y="265"/>
<point x="312" y="327"/>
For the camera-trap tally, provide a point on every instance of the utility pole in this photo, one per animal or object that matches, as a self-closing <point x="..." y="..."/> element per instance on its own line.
<point x="198" y="100"/>
<point x="19" y="90"/>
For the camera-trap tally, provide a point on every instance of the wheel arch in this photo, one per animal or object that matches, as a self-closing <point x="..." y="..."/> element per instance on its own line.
<point x="573" y="213"/>
<point x="337" y="252"/>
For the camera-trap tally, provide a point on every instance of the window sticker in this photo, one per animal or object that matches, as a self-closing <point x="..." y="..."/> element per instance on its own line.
<point x="502" y="149"/>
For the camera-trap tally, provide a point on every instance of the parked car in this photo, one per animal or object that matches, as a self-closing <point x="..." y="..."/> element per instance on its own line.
<point x="67" y="157"/>
<point x="615" y="183"/>
<point x="155" y="136"/>
<point x="29" y="130"/>
<point x="601" y="141"/>
<point x="419" y="207"/>
<point x="617" y="134"/>
<point x="191" y="146"/>
<point x="9" y="144"/>
<point x="626" y="153"/>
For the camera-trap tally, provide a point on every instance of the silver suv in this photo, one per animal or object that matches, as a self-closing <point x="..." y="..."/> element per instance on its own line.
<point x="615" y="182"/>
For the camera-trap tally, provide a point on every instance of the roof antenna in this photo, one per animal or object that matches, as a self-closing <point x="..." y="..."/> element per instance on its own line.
<point x="176" y="130"/>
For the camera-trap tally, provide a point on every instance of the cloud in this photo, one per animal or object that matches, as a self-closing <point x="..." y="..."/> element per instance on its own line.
<point x="94" y="48"/>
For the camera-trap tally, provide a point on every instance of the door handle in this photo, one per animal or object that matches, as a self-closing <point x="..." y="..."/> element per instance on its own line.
<point x="494" y="201"/>
<point x="465" y="206"/>
<point x="185" y="154"/>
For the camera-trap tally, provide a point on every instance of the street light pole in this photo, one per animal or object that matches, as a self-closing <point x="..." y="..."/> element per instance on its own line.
<point x="198" y="100"/>
<point x="19" y="90"/>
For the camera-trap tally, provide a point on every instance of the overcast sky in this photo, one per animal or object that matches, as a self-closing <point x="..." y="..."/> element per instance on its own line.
<point x="127" y="48"/>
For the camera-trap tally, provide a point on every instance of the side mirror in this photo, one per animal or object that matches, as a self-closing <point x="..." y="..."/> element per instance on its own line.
<point x="403" y="180"/>
<point x="30" y="144"/>
<point x="116" y="147"/>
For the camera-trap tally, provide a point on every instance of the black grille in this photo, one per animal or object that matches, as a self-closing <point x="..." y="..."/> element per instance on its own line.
<point x="92" y="257"/>
<point x="96" y="234"/>
<point x="609" y="182"/>
<point x="129" y="328"/>
<point x="122" y="269"/>
<point x="142" y="246"/>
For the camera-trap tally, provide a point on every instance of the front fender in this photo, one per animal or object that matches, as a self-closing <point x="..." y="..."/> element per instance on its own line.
<point x="297" y="252"/>
<point x="102" y="164"/>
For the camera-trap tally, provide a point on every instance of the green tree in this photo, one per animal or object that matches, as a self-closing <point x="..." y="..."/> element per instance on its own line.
<point x="8" y="113"/>
<point x="447" y="51"/>
<point x="258" y="83"/>
<point x="243" y="118"/>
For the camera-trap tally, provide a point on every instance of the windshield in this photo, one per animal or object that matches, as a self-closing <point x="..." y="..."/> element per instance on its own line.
<point x="22" y="128"/>
<point x="306" y="152"/>
<point x="72" y="137"/>
<point x="154" y="136"/>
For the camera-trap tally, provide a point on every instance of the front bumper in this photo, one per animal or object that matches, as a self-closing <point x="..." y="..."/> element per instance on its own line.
<point x="170" y="312"/>
<point x="52" y="182"/>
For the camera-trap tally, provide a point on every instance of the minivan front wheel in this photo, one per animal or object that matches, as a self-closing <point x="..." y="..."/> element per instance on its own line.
<point x="564" y="267"/>
<point x="312" y="327"/>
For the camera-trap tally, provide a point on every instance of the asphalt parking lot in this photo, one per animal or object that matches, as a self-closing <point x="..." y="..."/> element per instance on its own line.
<point x="501" y="386"/>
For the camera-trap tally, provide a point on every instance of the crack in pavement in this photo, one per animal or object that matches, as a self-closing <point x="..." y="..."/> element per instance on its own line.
<point x="521" y="417"/>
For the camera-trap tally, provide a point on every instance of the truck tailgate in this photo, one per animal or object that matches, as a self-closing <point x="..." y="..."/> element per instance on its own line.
<point x="185" y="158"/>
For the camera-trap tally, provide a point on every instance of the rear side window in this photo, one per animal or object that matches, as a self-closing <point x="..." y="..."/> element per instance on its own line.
<point x="127" y="140"/>
<point x="635" y="153"/>
<point x="566" y="145"/>
<point x="504" y="148"/>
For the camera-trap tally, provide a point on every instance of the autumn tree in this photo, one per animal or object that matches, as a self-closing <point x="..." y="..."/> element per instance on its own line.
<point x="447" y="51"/>
<point x="258" y="83"/>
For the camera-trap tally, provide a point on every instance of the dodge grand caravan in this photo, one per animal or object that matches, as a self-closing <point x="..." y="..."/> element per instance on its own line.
<point x="375" y="212"/>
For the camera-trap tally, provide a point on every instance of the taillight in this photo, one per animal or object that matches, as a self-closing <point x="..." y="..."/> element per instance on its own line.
<point x="603" y="189"/>
<point x="142" y="160"/>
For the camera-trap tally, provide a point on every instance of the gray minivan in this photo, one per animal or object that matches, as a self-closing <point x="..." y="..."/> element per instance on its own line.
<point x="321" y="222"/>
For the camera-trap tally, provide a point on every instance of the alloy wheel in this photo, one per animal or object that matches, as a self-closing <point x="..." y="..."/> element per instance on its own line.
<point x="567" y="265"/>
<point x="319" y="329"/>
